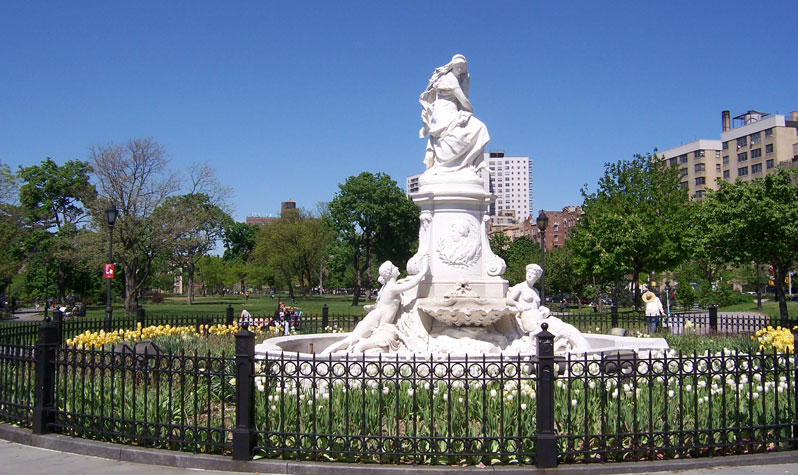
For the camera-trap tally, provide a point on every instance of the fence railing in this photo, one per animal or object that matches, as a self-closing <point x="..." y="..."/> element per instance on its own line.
<point x="540" y="409"/>
<point x="704" y="322"/>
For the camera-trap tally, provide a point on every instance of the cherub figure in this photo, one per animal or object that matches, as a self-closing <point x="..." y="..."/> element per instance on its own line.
<point x="377" y="329"/>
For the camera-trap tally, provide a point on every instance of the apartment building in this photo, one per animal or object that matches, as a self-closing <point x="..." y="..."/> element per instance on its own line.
<point x="757" y="142"/>
<point x="751" y="145"/>
<point x="561" y="223"/>
<point x="699" y="164"/>
<point x="509" y="178"/>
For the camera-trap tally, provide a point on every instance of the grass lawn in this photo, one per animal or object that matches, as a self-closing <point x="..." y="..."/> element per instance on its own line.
<point x="770" y="308"/>
<point x="256" y="305"/>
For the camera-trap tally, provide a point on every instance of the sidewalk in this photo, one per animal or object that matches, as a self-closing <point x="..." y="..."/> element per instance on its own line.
<point x="19" y="458"/>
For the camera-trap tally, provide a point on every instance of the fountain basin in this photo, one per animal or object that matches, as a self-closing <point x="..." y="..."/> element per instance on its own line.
<point x="305" y="347"/>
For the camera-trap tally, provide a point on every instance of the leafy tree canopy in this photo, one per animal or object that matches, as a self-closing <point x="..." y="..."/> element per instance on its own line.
<point x="633" y="223"/>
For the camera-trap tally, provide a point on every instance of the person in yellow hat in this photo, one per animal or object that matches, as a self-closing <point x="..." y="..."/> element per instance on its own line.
<point x="653" y="310"/>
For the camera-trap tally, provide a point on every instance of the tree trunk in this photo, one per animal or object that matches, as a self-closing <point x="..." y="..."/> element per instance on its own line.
<point x="130" y="293"/>
<point x="780" y="271"/>
<point x="359" y="279"/>
<point x="636" y="287"/>
<point x="190" y="279"/>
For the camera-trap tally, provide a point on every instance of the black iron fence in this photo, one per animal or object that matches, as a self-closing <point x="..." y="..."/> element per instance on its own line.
<point x="541" y="410"/>
<point x="703" y="322"/>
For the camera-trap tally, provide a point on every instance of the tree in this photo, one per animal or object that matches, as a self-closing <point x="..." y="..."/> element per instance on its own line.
<point x="755" y="221"/>
<point x="239" y="240"/>
<point x="293" y="246"/>
<point x="372" y="219"/>
<point x="633" y="223"/>
<point x="54" y="200"/>
<point x="198" y="223"/>
<point x="11" y="232"/>
<point x="135" y="178"/>
<point x="562" y="276"/>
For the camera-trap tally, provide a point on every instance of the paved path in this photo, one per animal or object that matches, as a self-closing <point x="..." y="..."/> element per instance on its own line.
<point x="22" y="459"/>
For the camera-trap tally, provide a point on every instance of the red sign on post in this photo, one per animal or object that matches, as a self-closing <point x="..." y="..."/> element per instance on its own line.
<point x="109" y="271"/>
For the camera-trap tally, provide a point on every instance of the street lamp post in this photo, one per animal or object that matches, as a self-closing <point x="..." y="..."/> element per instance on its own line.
<point x="668" y="297"/>
<point x="110" y="215"/>
<point x="542" y="221"/>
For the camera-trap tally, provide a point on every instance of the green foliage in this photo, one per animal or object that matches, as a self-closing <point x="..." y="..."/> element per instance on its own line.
<point x="633" y="223"/>
<point x="685" y="295"/>
<point x="53" y="201"/>
<point x="753" y="221"/>
<point x="562" y="276"/>
<point x="239" y="240"/>
<point x="291" y="249"/>
<point x="372" y="219"/>
<point x="198" y="223"/>
<point x="517" y="255"/>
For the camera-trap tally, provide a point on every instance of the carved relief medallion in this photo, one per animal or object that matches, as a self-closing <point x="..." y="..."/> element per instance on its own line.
<point x="460" y="245"/>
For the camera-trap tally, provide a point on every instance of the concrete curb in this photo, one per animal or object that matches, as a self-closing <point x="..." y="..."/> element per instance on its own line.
<point x="124" y="453"/>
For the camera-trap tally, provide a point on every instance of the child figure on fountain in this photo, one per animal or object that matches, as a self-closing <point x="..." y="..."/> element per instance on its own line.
<point x="531" y="314"/>
<point x="377" y="329"/>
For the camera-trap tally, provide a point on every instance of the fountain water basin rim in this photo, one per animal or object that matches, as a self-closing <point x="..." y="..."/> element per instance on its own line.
<point x="305" y="347"/>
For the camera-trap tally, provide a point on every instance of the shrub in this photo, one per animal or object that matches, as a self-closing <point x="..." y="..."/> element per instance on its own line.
<point x="156" y="298"/>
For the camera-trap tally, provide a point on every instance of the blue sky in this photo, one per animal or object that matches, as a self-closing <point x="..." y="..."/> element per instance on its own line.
<point x="287" y="99"/>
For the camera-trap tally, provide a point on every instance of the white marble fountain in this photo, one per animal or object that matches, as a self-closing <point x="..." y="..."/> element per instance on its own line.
<point x="454" y="302"/>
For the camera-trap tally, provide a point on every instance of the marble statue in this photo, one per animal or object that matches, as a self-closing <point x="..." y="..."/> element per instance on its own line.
<point x="455" y="301"/>
<point x="457" y="139"/>
<point x="531" y="314"/>
<point x="377" y="330"/>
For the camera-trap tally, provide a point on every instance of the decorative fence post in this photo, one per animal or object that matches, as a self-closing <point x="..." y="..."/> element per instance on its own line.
<point x="141" y="317"/>
<point x="546" y="440"/>
<point x="58" y="320"/>
<point x="244" y="432"/>
<point x="713" y="318"/>
<point x="229" y="314"/>
<point x="44" y="397"/>
<point x="614" y="316"/>
<point x="325" y="318"/>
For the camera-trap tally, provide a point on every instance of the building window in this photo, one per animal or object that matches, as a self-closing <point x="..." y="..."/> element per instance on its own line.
<point x="556" y="227"/>
<point x="742" y="142"/>
<point x="717" y="167"/>
<point x="725" y="145"/>
<point x="756" y="153"/>
<point x="756" y="168"/>
<point x="742" y="171"/>
<point x="756" y="138"/>
<point x="672" y="162"/>
<point x="717" y="153"/>
<point x="683" y="172"/>
<point x="769" y="148"/>
<point x="699" y="167"/>
<point x="769" y="164"/>
<point x="741" y="157"/>
<point x="700" y="180"/>
<point x="726" y="160"/>
<point x="698" y="154"/>
<point x="699" y="194"/>
<point x="683" y="185"/>
<point x="769" y="133"/>
<point x="683" y="158"/>
<point x="725" y="174"/>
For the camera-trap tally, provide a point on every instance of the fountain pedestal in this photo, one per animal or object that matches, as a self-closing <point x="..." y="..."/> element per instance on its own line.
<point x="454" y="234"/>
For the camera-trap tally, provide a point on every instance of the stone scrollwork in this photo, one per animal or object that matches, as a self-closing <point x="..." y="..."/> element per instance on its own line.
<point x="414" y="264"/>
<point x="495" y="264"/>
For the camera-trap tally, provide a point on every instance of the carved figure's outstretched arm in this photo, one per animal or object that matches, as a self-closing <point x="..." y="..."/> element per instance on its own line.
<point x="410" y="282"/>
